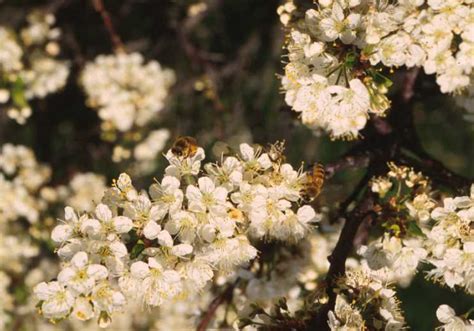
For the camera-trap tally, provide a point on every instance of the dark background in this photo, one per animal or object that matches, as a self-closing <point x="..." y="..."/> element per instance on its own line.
<point x="236" y="48"/>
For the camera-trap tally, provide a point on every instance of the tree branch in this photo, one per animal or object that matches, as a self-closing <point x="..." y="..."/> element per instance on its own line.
<point x="338" y="259"/>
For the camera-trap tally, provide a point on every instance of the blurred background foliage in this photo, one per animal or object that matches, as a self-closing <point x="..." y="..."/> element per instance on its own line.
<point x="227" y="60"/>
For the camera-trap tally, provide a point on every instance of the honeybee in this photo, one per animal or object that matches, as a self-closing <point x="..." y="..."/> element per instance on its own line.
<point x="314" y="182"/>
<point x="184" y="146"/>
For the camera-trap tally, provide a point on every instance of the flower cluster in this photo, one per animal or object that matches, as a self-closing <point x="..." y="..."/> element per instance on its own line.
<point x="270" y="284"/>
<point x="365" y="302"/>
<point x="21" y="179"/>
<point x="152" y="145"/>
<point x="145" y="152"/>
<point x="450" y="243"/>
<point x="28" y="65"/>
<point x="25" y="198"/>
<point x="451" y="322"/>
<point x="416" y="231"/>
<point x="7" y="300"/>
<point x="125" y="91"/>
<point x="436" y="35"/>
<point x="167" y="244"/>
<point x="84" y="191"/>
<point x="279" y="281"/>
<point x="403" y="207"/>
<point x="337" y="50"/>
<point x="394" y="258"/>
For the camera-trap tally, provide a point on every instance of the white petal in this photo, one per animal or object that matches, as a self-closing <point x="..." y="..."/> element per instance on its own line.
<point x="236" y="177"/>
<point x="306" y="214"/>
<point x="61" y="233"/>
<point x="118" y="299"/>
<point x="208" y="233"/>
<point x="157" y="212"/>
<point x="193" y="193"/>
<point x="82" y="310"/>
<point x="103" y="212"/>
<point x="170" y="182"/>
<point x="66" y="275"/>
<point x="444" y="313"/>
<point x="151" y="230"/>
<point x="247" y="152"/>
<point x="165" y="239"/>
<point x="90" y="227"/>
<point x="337" y="11"/>
<point x="79" y="260"/>
<point x="172" y="276"/>
<point x="469" y="247"/>
<point x="122" y="224"/>
<point x="69" y="214"/>
<point x="97" y="271"/>
<point x="220" y="193"/>
<point x="206" y="184"/>
<point x="42" y="291"/>
<point x="173" y="226"/>
<point x="139" y="270"/>
<point x="68" y="250"/>
<point x="118" y="249"/>
<point x="264" y="161"/>
<point x="153" y="263"/>
<point x="124" y="181"/>
<point x="182" y="249"/>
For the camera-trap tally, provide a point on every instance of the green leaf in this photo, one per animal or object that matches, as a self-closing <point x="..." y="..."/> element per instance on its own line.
<point x="21" y="294"/>
<point x="137" y="249"/>
<point x="414" y="229"/>
<point x="381" y="79"/>
<point x="351" y="59"/>
<point x="18" y="93"/>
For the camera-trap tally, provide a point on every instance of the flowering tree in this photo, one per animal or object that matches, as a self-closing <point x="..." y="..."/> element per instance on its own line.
<point x="132" y="196"/>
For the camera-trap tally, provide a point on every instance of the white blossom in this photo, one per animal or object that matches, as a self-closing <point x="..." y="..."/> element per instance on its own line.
<point x="56" y="300"/>
<point x="334" y="49"/>
<point x="169" y="245"/>
<point x="126" y="91"/>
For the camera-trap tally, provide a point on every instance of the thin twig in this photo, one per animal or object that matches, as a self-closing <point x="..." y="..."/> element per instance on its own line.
<point x="56" y="5"/>
<point x="408" y="90"/>
<point x="114" y="37"/>
<point x="226" y="295"/>
<point x="346" y="162"/>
